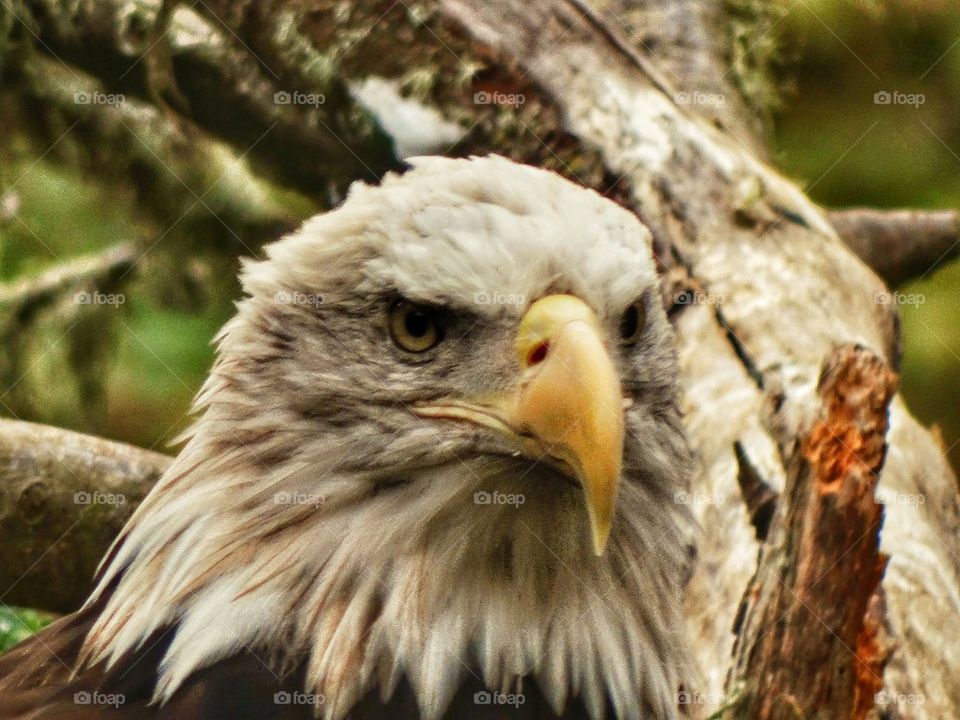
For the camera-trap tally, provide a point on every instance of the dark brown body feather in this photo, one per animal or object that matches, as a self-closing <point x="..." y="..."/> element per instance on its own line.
<point x="37" y="683"/>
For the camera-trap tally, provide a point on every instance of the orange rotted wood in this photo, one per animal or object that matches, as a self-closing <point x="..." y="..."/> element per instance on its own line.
<point x="812" y="644"/>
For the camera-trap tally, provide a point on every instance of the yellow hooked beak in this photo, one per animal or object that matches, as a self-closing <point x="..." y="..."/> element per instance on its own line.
<point x="568" y="404"/>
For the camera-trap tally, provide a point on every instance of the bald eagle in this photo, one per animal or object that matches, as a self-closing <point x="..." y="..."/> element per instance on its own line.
<point x="433" y="475"/>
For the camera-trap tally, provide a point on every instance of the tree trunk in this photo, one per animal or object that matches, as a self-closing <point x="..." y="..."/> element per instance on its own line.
<point x="800" y="606"/>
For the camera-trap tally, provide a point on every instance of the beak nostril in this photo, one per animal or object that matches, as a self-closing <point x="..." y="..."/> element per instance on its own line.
<point x="538" y="354"/>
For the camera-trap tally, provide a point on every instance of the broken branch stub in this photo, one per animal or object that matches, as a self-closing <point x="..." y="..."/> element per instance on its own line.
<point x="812" y="644"/>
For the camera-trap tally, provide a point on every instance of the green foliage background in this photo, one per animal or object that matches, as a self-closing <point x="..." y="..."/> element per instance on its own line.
<point x="846" y="150"/>
<point x="15" y="625"/>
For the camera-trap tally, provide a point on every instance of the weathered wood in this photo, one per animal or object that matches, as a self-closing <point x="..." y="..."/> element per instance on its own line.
<point x="820" y="568"/>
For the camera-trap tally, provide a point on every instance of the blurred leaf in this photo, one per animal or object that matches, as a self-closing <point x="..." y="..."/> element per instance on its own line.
<point x="17" y="624"/>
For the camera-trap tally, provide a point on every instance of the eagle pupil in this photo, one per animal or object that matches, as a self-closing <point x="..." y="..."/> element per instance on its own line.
<point x="417" y="323"/>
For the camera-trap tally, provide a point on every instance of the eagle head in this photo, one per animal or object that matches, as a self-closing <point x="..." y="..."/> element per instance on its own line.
<point x="440" y="443"/>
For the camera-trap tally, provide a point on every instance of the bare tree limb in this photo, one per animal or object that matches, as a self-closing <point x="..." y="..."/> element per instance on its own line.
<point x="24" y="298"/>
<point x="900" y="245"/>
<point x="63" y="498"/>
<point x="227" y="85"/>
<point x="80" y="285"/>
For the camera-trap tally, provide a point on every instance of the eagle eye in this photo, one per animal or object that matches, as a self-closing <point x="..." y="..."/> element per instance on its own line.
<point x="632" y="322"/>
<point x="414" y="328"/>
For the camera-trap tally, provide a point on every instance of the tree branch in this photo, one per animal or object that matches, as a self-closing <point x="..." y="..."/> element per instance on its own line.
<point x="64" y="497"/>
<point x="226" y="82"/>
<point x="899" y="245"/>
<point x="22" y="299"/>
<point x="90" y="280"/>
